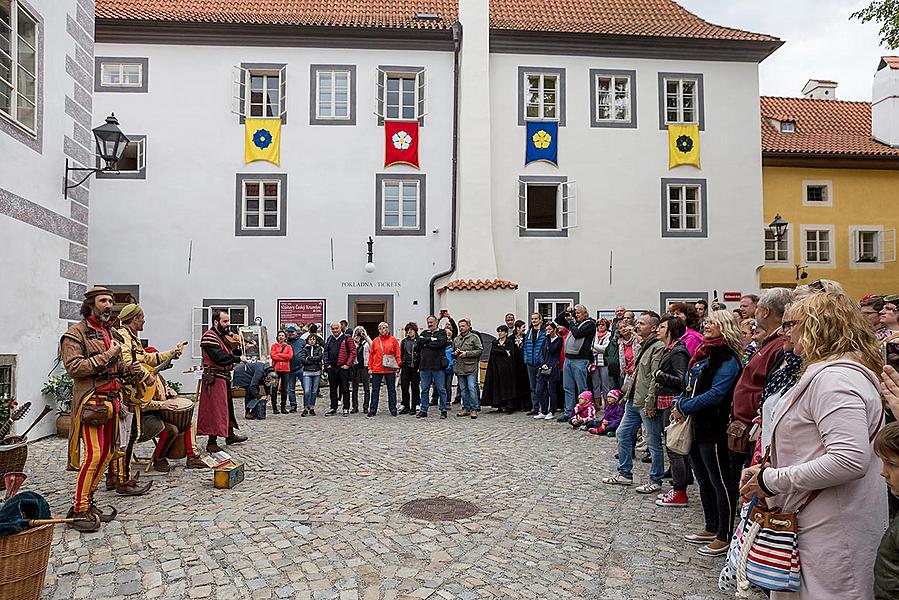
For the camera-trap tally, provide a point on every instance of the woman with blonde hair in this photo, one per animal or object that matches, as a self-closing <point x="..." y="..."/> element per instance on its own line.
<point x="820" y="452"/>
<point x="708" y="394"/>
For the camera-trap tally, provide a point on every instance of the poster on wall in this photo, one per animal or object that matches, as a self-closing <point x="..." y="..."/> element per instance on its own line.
<point x="302" y="311"/>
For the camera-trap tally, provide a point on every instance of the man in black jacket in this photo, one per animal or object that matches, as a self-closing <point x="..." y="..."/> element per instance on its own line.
<point x="578" y="354"/>
<point x="432" y="347"/>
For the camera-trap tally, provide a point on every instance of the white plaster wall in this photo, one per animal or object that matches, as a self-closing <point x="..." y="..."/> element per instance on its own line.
<point x="618" y="173"/>
<point x="885" y="106"/>
<point x="141" y="230"/>
<point x="29" y="256"/>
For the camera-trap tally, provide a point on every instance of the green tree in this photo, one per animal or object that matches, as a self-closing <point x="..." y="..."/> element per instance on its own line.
<point x="885" y="12"/>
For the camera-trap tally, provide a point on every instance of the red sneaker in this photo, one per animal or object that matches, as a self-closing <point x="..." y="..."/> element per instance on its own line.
<point x="674" y="498"/>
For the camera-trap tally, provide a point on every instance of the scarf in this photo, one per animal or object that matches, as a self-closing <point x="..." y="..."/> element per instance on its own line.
<point x="705" y="349"/>
<point x="783" y="378"/>
<point x="102" y="327"/>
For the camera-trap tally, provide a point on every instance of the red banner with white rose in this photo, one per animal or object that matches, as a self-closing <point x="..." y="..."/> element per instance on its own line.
<point x="401" y="143"/>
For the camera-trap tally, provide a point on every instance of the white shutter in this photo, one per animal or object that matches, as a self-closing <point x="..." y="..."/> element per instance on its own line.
<point x="421" y="80"/>
<point x="380" y="92"/>
<point x="238" y="85"/>
<point x="569" y="204"/>
<point x="282" y="80"/>
<point x="199" y="322"/>
<point x="522" y="204"/>
<point x="142" y="154"/>
<point x="888" y="245"/>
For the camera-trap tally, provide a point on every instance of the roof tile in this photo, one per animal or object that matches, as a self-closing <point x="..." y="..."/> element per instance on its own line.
<point x="833" y="127"/>
<point x="480" y="284"/>
<point x="663" y="18"/>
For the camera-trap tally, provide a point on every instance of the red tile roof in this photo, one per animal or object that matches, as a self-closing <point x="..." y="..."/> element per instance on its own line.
<point x="823" y="127"/>
<point x="662" y="18"/>
<point x="480" y="284"/>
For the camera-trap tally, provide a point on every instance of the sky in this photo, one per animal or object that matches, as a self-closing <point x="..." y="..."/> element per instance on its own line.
<point x="820" y="42"/>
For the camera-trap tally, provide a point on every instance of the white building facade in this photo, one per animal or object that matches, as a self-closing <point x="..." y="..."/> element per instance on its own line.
<point x="472" y="229"/>
<point x="46" y="72"/>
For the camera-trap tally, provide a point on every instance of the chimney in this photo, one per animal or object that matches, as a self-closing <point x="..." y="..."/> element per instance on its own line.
<point x="885" y="102"/>
<point x="820" y="89"/>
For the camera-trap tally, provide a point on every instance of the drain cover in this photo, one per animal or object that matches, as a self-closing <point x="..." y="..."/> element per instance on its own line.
<point x="440" y="508"/>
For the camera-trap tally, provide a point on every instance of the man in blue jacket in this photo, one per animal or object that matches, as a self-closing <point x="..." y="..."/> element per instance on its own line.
<point x="578" y="354"/>
<point x="533" y="346"/>
<point x="296" y="365"/>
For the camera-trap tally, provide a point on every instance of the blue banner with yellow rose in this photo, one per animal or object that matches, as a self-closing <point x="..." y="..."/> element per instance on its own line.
<point x="541" y="142"/>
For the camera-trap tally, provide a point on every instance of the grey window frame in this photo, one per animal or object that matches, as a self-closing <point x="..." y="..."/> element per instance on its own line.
<point x="559" y="72"/>
<point x="313" y="95"/>
<point x="246" y="68"/>
<point x="703" y="206"/>
<point x="139" y="174"/>
<point x="664" y="298"/>
<point x="240" y="179"/>
<point x="421" y="91"/>
<point x="594" y="121"/>
<point x="557" y="180"/>
<point x="380" y="178"/>
<point x="144" y="63"/>
<point x="33" y="138"/>
<point x="700" y="97"/>
<point x="9" y="361"/>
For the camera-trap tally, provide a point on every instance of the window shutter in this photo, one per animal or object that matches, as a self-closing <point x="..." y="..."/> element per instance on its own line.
<point x="199" y="323"/>
<point x="569" y="204"/>
<point x="142" y="154"/>
<point x="282" y="82"/>
<point x="888" y="245"/>
<point x="421" y="80"/>
<point x="522" y="204"/>
<point x="380" y="92"/>
<point x="238" y="91"/>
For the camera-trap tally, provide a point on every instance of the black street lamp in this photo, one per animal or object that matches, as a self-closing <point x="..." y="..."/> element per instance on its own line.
<point x="111" y="144"/>
<point x="778" y="227"/>
<point x="370" y="265"/>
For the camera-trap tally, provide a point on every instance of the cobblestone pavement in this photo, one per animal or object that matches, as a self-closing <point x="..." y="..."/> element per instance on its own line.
<point x="318" y="518"/>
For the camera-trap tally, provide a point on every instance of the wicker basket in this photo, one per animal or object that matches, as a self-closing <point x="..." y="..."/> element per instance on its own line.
<point x="23" y="563"/>
<point x="13" y="453"/>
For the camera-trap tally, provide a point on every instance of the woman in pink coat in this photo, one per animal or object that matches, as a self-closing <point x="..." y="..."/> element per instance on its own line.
<point x="821" y="440"/>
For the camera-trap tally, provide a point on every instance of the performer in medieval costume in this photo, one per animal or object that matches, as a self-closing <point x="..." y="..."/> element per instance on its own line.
<point x="216" y="416"/>
<point x="499" y="382"/>
<point x="91" y="352"/>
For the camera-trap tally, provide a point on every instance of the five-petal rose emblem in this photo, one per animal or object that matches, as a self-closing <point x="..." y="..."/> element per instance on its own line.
<point x="542" y="139"/>
<point x="401" y="140"/>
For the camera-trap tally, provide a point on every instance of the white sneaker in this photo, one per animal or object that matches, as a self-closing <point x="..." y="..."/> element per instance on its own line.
<point x="549" y="416"/>
<point x="539" y="416"/>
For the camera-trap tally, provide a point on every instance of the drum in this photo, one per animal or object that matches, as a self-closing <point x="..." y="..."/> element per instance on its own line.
<point x="180" y="417"/>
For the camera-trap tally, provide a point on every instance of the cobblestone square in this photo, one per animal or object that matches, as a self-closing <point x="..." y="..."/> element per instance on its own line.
<point x="318" y="517"/>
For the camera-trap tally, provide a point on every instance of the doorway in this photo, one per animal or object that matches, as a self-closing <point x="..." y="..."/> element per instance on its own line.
<point x="368" y="310"/>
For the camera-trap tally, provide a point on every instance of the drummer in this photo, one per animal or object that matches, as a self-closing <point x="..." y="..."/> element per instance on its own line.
<point x="154" y="423"/>
<point x="132" y="318"/>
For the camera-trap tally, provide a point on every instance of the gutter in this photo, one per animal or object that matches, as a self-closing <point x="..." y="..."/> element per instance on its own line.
<point x="457" y="45"/>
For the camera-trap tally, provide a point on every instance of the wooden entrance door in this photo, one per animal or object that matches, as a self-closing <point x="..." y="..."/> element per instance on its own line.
<point x="368" y="314"/>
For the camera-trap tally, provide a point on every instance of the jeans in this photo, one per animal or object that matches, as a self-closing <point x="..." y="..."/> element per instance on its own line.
<point x="532" y="378"/>
<point x="599" y="382"/>
<point x="361" y="375"/>
<point x="448" y="384"/>
<point x="253" y="403"/>
<point x="469" y="386"/>
<point x="574" y="380"/>
<point x="410" y="383"/>
<point x="546" y="394"/>
<point x="710" y="466"/>
<point x="339" y="382"/>
<point x="627" y="434"/>
<point x="390" y="380"/>
<point x="438" y="378"/>
<point x="311" y="381"/>
<point x="292" y="387"/>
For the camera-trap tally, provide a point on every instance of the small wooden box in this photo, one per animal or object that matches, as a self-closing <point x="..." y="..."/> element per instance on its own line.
<point x="227" y="476"/>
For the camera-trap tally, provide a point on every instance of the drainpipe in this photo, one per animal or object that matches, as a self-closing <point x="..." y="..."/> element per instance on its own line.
<point x="457" y="45"/>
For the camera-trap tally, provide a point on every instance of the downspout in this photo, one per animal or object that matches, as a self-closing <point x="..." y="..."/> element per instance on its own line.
<point x="457" y="45"/>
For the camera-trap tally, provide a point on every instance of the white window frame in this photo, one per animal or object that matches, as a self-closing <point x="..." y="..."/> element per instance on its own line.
<point x="241" y="90"/>
<point x="402" y="183"/>
<point x="566" y="207"/>
<point x="612" y="95"/>
<point x="788" y="126"/>
<point x="201" y="321"/>
<point x="556" y="302"/>
<point x="680" y="100"/>
<point x="788" y="240"/>
<point x="17" y="10"/>
<point x="420" y="81"/>
<point x="804" y="245"/>
<point x="541" y="106"/>
<point x="825" y="183"/>
<point x="683" y="208"/>
<point x="262" y="182"/>
<point x="107" y="67"/>
<point x="334" y="104"/>
<point x="881" y="249"/>
<point x="141" y="144"/>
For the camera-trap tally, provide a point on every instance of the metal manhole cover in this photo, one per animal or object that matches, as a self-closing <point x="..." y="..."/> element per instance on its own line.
<point x="440" y="508"/>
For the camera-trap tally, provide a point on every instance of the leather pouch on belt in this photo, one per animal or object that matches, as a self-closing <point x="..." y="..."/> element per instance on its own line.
<point x="95" y="412"/>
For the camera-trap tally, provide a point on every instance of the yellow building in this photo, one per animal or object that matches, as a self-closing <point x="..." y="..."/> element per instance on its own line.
<point x="837" y="185"/>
